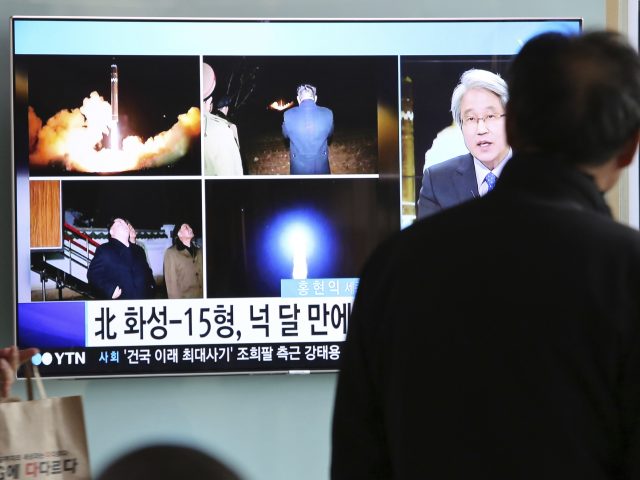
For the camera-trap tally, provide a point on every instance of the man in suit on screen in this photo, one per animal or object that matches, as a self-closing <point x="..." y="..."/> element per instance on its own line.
<point x="500" y="339"/>
<point x="308" y="128"/>
<point x="478" y="107"/>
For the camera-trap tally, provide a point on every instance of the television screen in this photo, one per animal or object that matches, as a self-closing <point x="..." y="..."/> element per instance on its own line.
<point x="199" y="196"/>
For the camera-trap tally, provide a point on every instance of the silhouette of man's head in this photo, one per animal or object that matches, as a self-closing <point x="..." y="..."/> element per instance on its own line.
<point x="165" y="462"/>
<point x="576" y="98"/>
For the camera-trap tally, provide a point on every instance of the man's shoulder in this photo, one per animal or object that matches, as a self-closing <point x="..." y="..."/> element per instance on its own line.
<point x="137" y="248"/>
<point x="106" y="252"/>
<point x="172" y="251"/>
<point x="607" y="232"/>
<point x="291" y="112"/>
<point x="451" y="164"/>
<point x="107" y="246"/>
<point x="219" y="120"/>
<point x="310" y="106"/>
<point x="323" y="112"/>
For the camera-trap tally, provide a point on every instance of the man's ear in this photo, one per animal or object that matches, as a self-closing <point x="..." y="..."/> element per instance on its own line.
<point x="628" y="152"/>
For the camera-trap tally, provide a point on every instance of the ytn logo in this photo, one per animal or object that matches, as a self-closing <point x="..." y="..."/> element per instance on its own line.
<point x="59" y="358"/>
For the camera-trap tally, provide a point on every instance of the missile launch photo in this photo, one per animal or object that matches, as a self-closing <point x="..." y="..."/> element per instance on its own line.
<point x="112" y="115"/>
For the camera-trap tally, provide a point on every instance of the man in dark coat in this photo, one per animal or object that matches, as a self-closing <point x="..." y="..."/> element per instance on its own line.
<point x="119" y="269"/>
<point x="500" y="339"/>
<point x="308" y="128"/>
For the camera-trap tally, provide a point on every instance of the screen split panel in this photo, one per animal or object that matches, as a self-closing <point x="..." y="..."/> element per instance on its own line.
<point x="200" y="196"/>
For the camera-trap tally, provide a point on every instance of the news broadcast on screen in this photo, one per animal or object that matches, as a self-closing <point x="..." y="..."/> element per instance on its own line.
<point x="199" y="196"/>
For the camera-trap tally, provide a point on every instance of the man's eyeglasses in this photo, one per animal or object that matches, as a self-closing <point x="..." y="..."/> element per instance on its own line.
<point x="489" y="120"/>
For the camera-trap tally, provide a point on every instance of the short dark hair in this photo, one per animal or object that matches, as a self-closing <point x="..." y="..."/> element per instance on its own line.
<point x="575" y="97"/>
<point x="167" y="462"/>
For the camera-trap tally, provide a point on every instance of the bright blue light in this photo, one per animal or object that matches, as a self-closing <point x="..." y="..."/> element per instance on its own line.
<point x="297" y="236"/>
<point x="297" y="240"/>
<point x="297" y="244"/>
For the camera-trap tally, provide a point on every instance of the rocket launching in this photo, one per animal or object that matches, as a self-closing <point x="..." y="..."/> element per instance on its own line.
<point x="114" y="93"/>
<point x="88" y="138"/>
<point x="115" y="132"/>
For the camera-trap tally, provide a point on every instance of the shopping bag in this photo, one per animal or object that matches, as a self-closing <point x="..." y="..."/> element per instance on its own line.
<point x="43" y="438"/>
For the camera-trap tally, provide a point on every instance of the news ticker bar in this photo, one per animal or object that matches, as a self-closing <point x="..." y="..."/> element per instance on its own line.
<point x="180" y="359"/>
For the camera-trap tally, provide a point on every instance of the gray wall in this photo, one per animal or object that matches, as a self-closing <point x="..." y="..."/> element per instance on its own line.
<point x="267" y="427"/>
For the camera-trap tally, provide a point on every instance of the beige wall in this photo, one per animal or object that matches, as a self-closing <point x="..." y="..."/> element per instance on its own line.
<point x="625" y="192"/>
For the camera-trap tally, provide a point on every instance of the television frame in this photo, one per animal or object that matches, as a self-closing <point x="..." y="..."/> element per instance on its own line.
<point x="315" y="38"/>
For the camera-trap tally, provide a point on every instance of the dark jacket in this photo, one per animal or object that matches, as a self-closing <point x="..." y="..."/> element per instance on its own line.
<point x="308" y="128"/>
<point x="116" y="265"/>
<point x="447" y="184"/>
<point x="497" y="340"/>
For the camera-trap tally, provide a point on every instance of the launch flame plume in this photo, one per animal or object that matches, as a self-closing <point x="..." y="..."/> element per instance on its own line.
<point x="280" y="105"/>
<point x="73" y="139"/>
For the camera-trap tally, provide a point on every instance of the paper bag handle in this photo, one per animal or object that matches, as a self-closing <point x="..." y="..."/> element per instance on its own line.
<point x="33" y="373"/>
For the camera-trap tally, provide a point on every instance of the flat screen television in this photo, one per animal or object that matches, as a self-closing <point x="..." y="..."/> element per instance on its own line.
<point x="198" y="196"/>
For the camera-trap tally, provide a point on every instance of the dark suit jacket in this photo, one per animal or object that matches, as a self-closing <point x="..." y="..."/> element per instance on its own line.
<point x="308" y="127"/>
<point x="114" y="265"/>
<point x="497" y="340"/>
<point x="447" y="184"/>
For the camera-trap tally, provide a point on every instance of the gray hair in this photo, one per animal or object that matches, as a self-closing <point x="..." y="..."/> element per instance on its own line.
<point x="476" y="78"/>
<point x="306" y="91"/>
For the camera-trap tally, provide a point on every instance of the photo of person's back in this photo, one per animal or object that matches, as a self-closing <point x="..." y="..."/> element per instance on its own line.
<point x="308" y="128"/>
<point x="515" y="356"/>
<point x="293" y="115"/>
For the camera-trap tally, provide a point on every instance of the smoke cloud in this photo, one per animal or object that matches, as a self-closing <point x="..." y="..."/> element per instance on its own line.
<point x="72" y="139"/>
